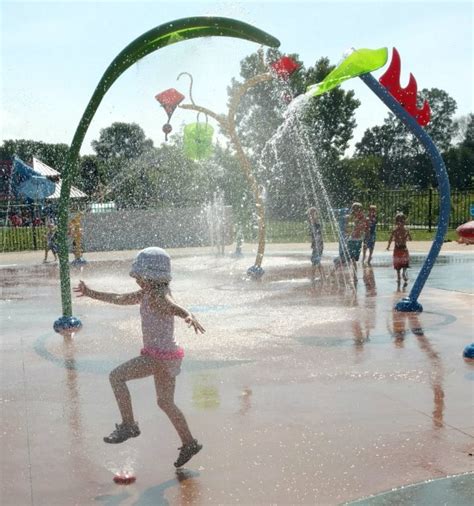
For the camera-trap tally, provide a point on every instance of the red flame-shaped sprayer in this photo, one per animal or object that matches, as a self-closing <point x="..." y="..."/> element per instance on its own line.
<point x="407" y="97"/>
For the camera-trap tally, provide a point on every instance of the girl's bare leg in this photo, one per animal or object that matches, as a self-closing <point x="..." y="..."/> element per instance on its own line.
<point x="138" y="367"/>
<point x="371" y="252"/>
<point x="165" y="386"/>
<point x="321" y="273"/>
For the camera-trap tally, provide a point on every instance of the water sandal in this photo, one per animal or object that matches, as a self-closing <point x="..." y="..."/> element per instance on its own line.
<point x="186" y="452"/>
<point x="122" y="432"/>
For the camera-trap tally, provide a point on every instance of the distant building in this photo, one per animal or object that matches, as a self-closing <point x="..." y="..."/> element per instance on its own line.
<point x="45" y="170"/>
<point x="41" y="169"/>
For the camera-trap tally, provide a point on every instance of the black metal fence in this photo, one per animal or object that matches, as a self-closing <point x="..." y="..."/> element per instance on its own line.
<point x="24" y="226"/>
<point x="420" y="207"/>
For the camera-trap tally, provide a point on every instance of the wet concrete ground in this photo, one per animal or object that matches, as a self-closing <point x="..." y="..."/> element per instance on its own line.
<point x="300" y="394"/>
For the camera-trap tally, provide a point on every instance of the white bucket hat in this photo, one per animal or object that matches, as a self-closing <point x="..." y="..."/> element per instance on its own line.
<point x="152" y="263"/>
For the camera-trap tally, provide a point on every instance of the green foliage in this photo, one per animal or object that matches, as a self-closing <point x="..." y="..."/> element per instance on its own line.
<point x="53" y="155"/>
<point x="118" y="149"/>
<point x="442" y="126"/>
<point x="261" y="108"/>
<point x="403" y="160"/>
<point x="121" y="141"/>
<point x="330" y="118"/>
<point x="460" y="165"/>
<point x="127" y="167"/>
<point x="90" y="179"/>
<point x="363" y="173"/>
<point x="468" y="140"/>
<point x="226" y="176"/>
<point x="160" y="177"/>
<point x="317" y="140"/>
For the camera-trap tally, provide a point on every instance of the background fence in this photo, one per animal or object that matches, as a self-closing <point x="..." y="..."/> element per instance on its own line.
<point x="420" y="207"/>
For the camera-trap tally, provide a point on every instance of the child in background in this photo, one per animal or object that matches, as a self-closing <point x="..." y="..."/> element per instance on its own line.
<point x="51" y="242"/>
<point x="354" y="243"/>
<point x="160" y="356"/>
<point x="343" y="224"/>
<point x="317" y="243"/>
<point x="401" y="257"/>
<point x="370" y="234"/>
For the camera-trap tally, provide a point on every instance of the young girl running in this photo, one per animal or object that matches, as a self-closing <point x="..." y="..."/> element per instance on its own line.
<point x="160" y="356"/>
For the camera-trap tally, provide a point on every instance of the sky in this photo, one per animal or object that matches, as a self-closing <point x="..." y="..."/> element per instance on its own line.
<point x="54" y="53"/>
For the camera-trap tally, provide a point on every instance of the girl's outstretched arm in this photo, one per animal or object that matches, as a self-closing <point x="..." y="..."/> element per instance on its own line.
<point x="182" y="312"/>
<point x="122" y="299"/>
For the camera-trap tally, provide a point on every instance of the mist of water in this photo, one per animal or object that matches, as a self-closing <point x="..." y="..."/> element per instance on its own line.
<point x="293" y="136"/>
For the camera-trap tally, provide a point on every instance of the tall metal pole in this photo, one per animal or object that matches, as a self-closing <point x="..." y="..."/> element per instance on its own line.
<point x="228" y="124"/>
<point x="152" y="40"/>
<point x="411" y="303"/>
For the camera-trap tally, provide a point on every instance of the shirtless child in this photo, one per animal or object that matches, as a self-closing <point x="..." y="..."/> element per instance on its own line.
<point x="401" y="257"/>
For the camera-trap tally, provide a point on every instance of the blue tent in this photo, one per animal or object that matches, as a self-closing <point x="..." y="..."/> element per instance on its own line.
<point x="28" y="184"/>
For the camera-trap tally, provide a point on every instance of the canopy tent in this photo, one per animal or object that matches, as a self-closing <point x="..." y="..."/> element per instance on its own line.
<point x="36" y="179"/>
<point x="28" y="184"/>
<point x="47" y="171"/>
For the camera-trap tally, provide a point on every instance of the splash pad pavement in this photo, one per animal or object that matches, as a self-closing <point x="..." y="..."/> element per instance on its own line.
<point x="300" y="394"/>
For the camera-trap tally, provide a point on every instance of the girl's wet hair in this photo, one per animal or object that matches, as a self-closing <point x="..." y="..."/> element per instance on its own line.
<point x="400" y="218"/>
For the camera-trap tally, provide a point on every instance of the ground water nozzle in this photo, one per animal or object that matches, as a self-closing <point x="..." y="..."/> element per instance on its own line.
<point x="67" y="325"/>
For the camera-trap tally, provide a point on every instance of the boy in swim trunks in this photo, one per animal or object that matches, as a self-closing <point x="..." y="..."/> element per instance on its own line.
<point x="370" y="234"/>
<point x="401" y="258"/>
<point x="354" y="243"/>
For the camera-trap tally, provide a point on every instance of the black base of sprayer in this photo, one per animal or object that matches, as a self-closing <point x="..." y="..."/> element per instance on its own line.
<point x="406" y="305"/>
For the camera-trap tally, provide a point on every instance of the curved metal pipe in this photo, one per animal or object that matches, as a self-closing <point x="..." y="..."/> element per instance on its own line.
<point x="156" y="38"/>
<point x="191" y="82"/>
<point x="411" y="303"/>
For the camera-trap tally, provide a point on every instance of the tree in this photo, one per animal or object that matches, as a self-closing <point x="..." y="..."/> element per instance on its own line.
<point x="330" y="117"/>
<point x="117" y="146"/>
<point x="292" y="150"/>
<point x="161" y="177"/>
<point x="121" y="141"/>
<point x="459" y="163"/>
<point x="53" y="155"/>
<point x="442" y="126"/>
<point x="468" y="140"/>
<point x="404" y="161"/>
<point x="462" y="124"/>
<point x="261" y="108"/>
<point x="460" y="159"/>
<point x="90" y="178"/>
